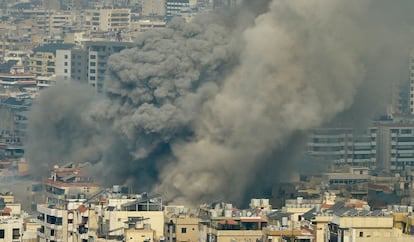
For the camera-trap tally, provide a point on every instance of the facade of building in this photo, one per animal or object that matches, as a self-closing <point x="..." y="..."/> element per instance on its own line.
<point x="153" y="8"/>
<point x="395" y="146"/>
<point x="112" y="20"/>
<point x="343" y="146"/>
<point x="67" y="183"/>
<point x="43" y="59"/>
<point x="175" y="7"/>
<point x="411" y="71"/>
<point x="98" y="54"/>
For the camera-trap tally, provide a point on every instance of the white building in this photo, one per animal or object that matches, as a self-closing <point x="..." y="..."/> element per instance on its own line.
<point x="63" y="64"/>
<point x="113" y="20"/>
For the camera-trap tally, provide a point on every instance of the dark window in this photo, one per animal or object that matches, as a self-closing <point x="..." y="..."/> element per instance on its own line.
<point x="16" y="234"/>
<point x="1" y="233"/>
<point x="183" y="230"/>
<point x="361" y="234"/>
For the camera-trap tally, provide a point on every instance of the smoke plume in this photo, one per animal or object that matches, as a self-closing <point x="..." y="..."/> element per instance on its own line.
<point x="199" y="110"/>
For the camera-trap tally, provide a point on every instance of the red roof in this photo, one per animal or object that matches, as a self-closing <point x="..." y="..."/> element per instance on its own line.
<point x="253" y="220"/>
<point x="7" y="210"/>
<point x="82" y="208"/>
<point x="228" y="221"/>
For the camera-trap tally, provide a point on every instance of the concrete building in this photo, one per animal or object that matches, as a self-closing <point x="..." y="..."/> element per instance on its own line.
<point x="67" y="183"/>
<point x="181" y="224"/>
<point x="353" y="225"/>
<point x="112" y="20"/>
<point x="110" y="215"/>
<point x="12" y="220"/>
<point x="63" y="64"/>
<point x="344" y="146"/>
<point x="153" y="8"/>
<point x="57" y="223"/>
<point x="395" y="146"/>
<point x="98" y="54"/>
<point x="411" y="71"/>
<point x="175" y="8"/>
<point x="43" y="59"/>
<point x="223" y="222"/>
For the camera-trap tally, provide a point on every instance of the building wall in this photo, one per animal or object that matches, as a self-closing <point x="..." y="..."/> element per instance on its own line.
<point x="138" y="235"/>
<point x="174" y="7"/>
<point x="98" y="54"/>
<point x="186" y="228"/>
<point x="117" y="220"/>
<point x="411" y="70"/>
<point x="344" y="146"/>
<point x="153" y="8"/>
<point x="11" y="230"/>
<point x="63" y="64"/>
<point x="43" y="63"/>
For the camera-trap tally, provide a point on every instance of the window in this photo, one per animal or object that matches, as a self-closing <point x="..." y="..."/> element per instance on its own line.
<point x="93" y="57"/>
<point x="66" y="63"/>
<point x="59" y="221"/>
<point x="1" y="233"/>
<point x="183" y="230"/>
<point x="66" y="56"/>
<point x="16" y="234"/>
<point x="65" y="70"/>
<point x="361" y="234"/>
<point x="93" y="63"/>
<point x="52" y="232"/>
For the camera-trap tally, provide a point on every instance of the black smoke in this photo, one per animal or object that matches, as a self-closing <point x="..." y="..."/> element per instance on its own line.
<point x="217" y="107"/>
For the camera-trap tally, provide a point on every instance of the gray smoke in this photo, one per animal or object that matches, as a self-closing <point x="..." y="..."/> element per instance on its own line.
<point x="199" y="110"/>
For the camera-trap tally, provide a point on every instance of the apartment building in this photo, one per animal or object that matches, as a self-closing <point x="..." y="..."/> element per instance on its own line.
<point x="98" y="54"/>
<point x="67" y="182"/>
<point x="58" y="223"/>
<point x="181" y="224"/>
<point x="12" y="220"/>
<point x="344" y="146"/>
<point x="43" y="59"/>
<point x="153" y="8"/>
<point x="112" y="20"/>
<point x="175" y="8"/>
<point x="395" y="146"/>
<point x="109" y="215"/>
<point x="352" y="225"/>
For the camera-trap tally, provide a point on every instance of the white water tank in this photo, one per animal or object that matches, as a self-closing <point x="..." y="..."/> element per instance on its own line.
<point x="255" y="203"/>
<point x="264" y="202"/>
<point x="285" y="222"/>
<point x="116" y="188"/>
<point x="227" y="213"/>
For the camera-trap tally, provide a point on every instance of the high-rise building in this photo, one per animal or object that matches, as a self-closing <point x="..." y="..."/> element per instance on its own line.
<point x="411" y="66"/>
<point x="112" y="20"/>
<point x="98" y="54"/>
<point x="343" y="146"/>
<point x="43" y="59"/>
<point x="174" y="8"/>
